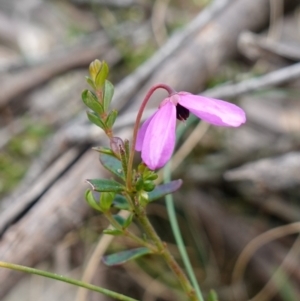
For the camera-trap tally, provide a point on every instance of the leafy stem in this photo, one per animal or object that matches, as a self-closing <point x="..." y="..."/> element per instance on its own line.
<point x="164" y="252"/>
<point x="129" y="234"/>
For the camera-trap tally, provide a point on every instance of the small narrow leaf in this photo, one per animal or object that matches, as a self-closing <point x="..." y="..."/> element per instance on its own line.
<point x="149" y="174"/>
<point x="114" y="232"/>
<point x="112" y="164"/>
<point x="91" y="101"/>
<point x="106" y="185"/>
<point x="128" y="221"/>
<point x="91" y="200"/>
<point x="122" y="257"/>
<point x="119" y="219"/>
<point x="104" y="150"/>
<point x="164" y="189"/>
<point x="106" y="200"/>
<point x="111" y="118"/>
<point x="96" y="120"/>
<point x="108" y="94"/>
<point x="101" y="76"/>
<point x="90" y="82"/>
<point x="123" y="222"/>
<point x="121" y="203"/>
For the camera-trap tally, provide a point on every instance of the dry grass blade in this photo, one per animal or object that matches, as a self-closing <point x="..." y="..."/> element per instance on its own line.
<point x="256" y="244"/>
<point x="273" y="286"/>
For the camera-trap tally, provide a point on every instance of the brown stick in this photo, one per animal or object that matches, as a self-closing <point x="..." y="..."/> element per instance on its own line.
<point x="61" y="209"/>
<point x="21" y="82"/>
<point x="201" y="55"/>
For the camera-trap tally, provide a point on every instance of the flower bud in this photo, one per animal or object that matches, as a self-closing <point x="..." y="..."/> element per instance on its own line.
<point x="117" y="144"/>
<point x="139" y="184"/>
<point x="143" y="198"/>
<point x="94" y="69"/>
<point x="149" y="186"/>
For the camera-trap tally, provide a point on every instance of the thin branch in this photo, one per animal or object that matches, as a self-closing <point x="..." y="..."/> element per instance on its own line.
<point x="269" y="80"/>
<point x="128" y="86"/>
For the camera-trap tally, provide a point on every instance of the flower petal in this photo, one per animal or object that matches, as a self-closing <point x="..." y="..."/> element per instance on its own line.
<point x="141" y="133"/>
<point x="214" y="111"/>
<point x="159" y="139"/>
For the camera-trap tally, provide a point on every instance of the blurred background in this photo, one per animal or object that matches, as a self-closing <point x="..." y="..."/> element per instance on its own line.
<point x="238" y="183"/>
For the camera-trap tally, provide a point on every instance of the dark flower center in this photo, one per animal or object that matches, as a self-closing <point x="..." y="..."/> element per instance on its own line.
<point x="182" y="113"/>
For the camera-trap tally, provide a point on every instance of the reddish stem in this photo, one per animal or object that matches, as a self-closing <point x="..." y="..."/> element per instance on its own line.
<point x="137" y="125"/>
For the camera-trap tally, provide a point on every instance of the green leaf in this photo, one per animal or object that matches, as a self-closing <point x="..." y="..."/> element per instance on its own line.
<point x="90" y="82"/>
<point x="91" y="200"/>
<point x="96" y="120"/>
<point x="122" y="221"/>
<point x="128" y="221"/>
<point x="104" y="150"/>
<point x="119" y="219"/>
<point x="111" y="118"/>
<point x="101" y="185"/>
<point x="151" y="176"/>
<point x="106" y="200"/>
<point x="91" y="101"/>
<point x="149" y="185"/>
<point x="112" y="164"/>
<point x="164" y="189"/>
<point x="101" y="76"/>
<point x="121" y="203"/>
<point x="114" y="232"/>
<point x="122" y="257"/>
<point x="108" y="94"/>
<point x="139" y="184"/>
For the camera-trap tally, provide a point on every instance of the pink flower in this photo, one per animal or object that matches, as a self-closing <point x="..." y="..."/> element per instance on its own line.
<point x="156" y="137"/>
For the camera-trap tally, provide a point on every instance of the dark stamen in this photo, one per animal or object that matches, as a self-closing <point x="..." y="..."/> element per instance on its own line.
<point x="182" y="113"/>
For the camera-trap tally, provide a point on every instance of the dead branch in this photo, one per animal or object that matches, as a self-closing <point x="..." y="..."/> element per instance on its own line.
<point x="22" y="201"/>
<point x="262" y="46"/>
<point x="130" y="84"/>
<point x="22" y="81"/>
<point x="272" y="173"/>
<point x="58" y="211"/>
<point x="201" y="55"/>
<point x="9" y="30"/>
<point x="114" y="3"/>
<point x="274" y="78"/>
